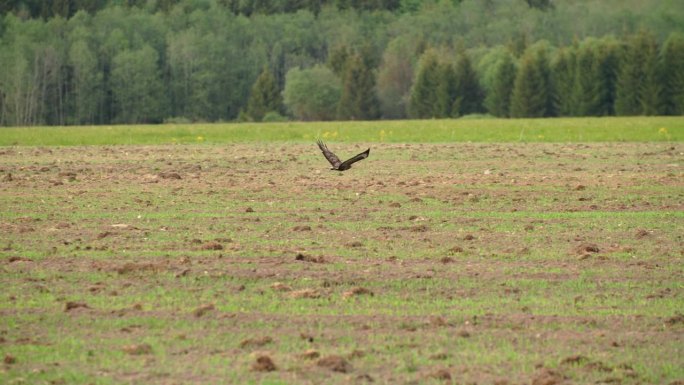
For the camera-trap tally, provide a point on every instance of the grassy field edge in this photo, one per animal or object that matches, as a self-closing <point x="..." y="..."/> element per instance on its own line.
<point x="604" y="129"/>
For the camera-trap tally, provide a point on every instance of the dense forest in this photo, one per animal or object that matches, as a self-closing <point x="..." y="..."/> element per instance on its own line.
<point x="67" y="62"/>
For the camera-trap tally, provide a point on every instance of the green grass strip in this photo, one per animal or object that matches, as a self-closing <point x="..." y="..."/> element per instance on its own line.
<point x="631" y="129"/>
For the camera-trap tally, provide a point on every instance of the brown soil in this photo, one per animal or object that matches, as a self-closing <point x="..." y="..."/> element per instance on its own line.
<point x="264" y="363"/>
<point x="204" y="309"/>
<point x="546" y="376"/>
<point x="309" y="258"/>
<point x="137" y="349"/>
<point x="335" y="363"/>
<point x="256" y="342"/>
<point x="75" y="305"/>
<point x="567" y="254"/>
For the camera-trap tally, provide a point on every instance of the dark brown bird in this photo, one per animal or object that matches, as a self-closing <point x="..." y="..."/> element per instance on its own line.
<point x="335" y="161"/>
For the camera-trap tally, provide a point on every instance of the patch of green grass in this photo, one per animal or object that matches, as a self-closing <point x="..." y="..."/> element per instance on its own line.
<point x="405" y="131"/>
<point x="483" y="267"/>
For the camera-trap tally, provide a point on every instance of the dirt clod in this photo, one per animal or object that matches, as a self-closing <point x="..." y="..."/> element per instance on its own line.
<point x="13" y="259"/>
<point x="130" y="267"/>
<point x="249" y="210"/>
<point x="674" y="320"/>
<point x="255" y="342"/>
<point x="356" y="292"/>
<point x="75" y="305"/>
<point x="545" y="376"/>
<point x="438" y="321"/>
<point x="302" y="228"/>
<point x="310" y="354"/>
<point x="305" y="293"/>
<point x="10" y="359"/>
<point x="169" y="175"/>
<point x="202" y="310"/>
<point x="212" y="245"/>
<point x="439" y="356"/>
<point x="279" y="286"/>
<point x="574" y="360"/>
<point x="306" y="336"/>
<point x="642" y="233"/>
<point x="335" y="363"/>
<point x="420" y="229"/>
<point x="585" y="248"/>
<point x="309" y="258"/>
<point x="264" y="363"/>
<point x="137" y="349"/>
<point x="441" y="374"/>
<point x="456" y="249"/>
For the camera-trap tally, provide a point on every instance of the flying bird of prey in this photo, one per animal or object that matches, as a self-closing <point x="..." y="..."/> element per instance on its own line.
<point x="335" y="161"/>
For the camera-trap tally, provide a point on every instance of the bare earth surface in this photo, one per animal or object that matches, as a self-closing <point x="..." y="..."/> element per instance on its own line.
<point x="452" y="263"/>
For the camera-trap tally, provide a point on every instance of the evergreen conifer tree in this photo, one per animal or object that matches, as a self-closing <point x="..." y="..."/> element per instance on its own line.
<point x="469" y="93"/>
<point x="563" y="76"/>
<point x="531" y="89"/>
<point x="359" y="99"/>
<point x="638" y="88"/>
<point x="265" y="97"/>
<point x="425" y="100"/>
<point x="673" y="79"/>
<point x="498" y="100"/>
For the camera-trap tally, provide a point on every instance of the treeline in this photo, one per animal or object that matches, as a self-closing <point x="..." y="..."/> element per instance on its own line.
<point x="210" y="60"/>
<point x="68" y="8"/>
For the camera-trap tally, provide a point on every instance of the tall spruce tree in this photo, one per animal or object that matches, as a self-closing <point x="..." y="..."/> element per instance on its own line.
<point x="426" y="101"/>
<point x="673" y="76"/>
<point x="265" y="97"/>
<point x="531" y="96"/>
<point x="606" y="67"/>
<point x="588" y="82"/>
<point x="498" y="99"/>
<point x="651" y="91"/>
<point x="469" y="93"/>
<point x="638" y="87"/>
<point x="359" y="100"/>
<point x="563" y="76"/>
<point x="447" y="94"/>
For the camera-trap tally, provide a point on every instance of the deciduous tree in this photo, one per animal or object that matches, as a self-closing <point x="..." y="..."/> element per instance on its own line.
<point x="312" y="94"/>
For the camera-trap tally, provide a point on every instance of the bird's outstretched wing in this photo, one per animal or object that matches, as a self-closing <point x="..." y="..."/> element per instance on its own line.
<point x="332" y="158"/>
<point x="355" y="159"/>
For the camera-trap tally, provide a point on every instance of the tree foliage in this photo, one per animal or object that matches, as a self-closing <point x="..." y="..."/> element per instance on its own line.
<point x="128" y="61"/>
<point x="429" y="96"/>
<point x="358" y="100"/>
<point x="639" y="88"/>
<point x="498" y="99"/>
<point x="469" y="94"/>
<point x="312" y="94"/>
<point x="532" y="88"/>
<point x="265" y="97"/>
<point x="673" y="74"/>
